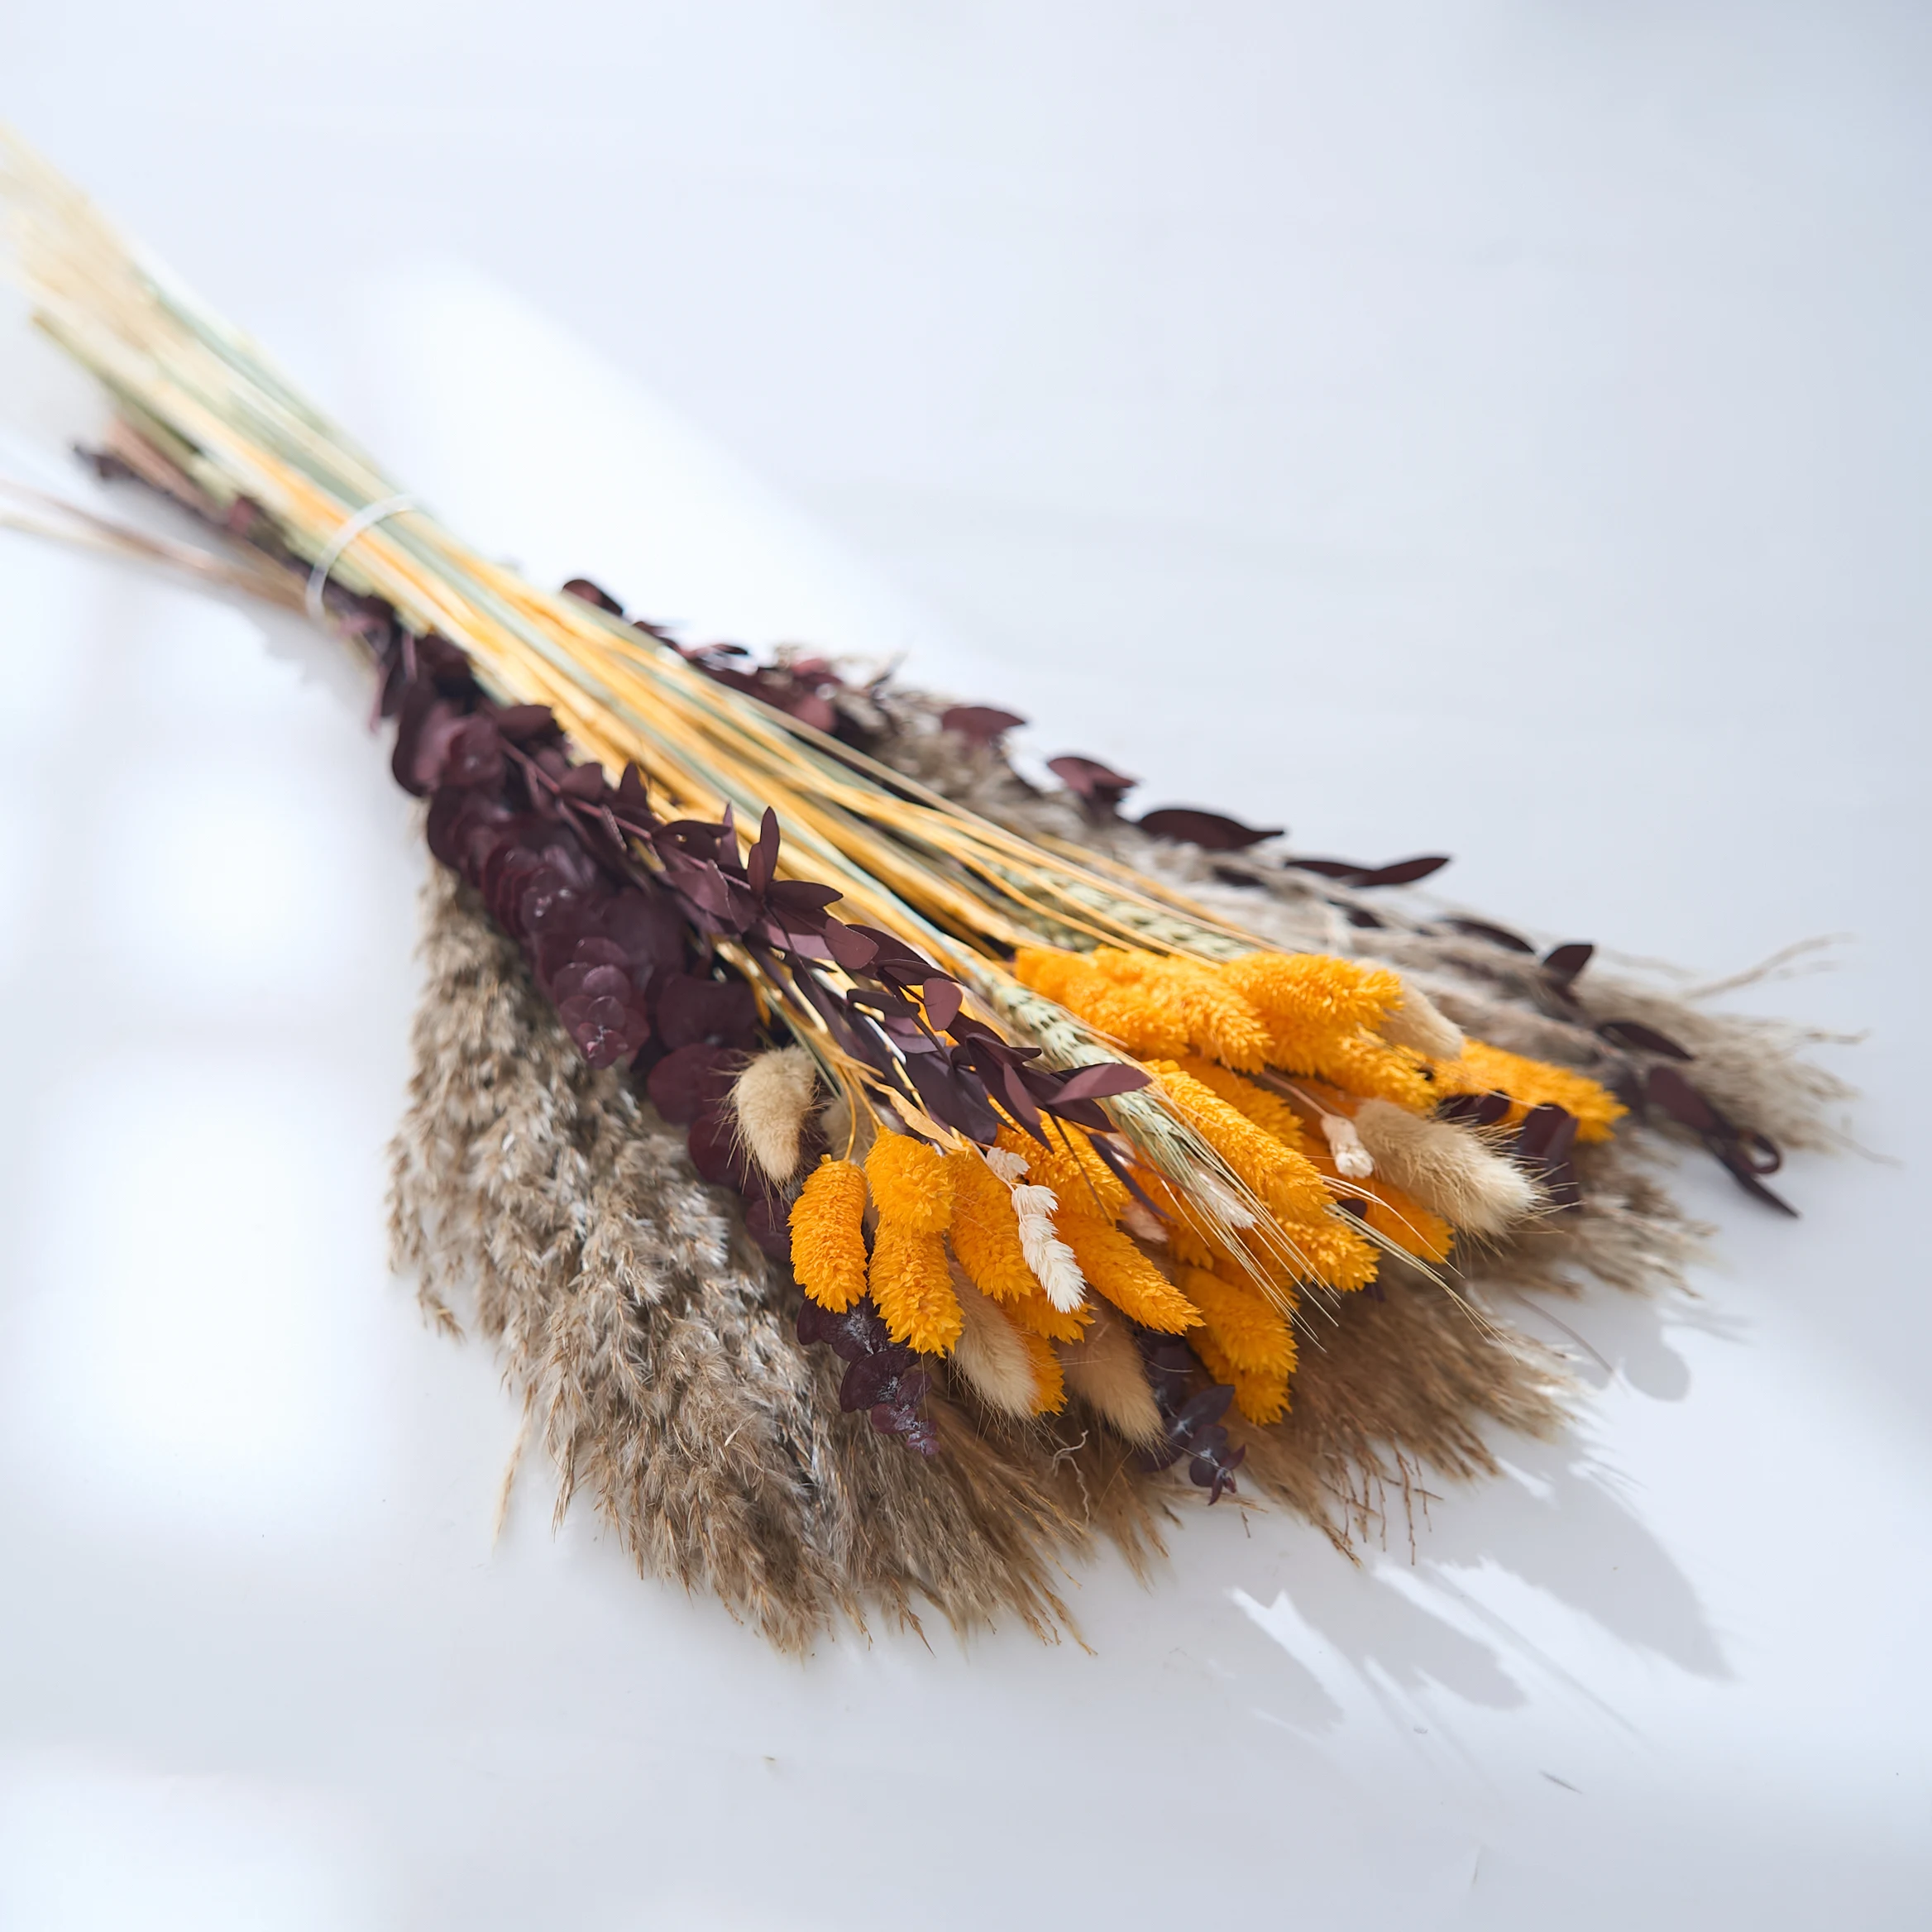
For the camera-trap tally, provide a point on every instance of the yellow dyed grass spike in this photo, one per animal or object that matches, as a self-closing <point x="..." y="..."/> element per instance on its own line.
<point x="911" y="1184"/>
<point x="1194" y="1001"/>
<point x="1329" y="1252"/>
<point x="913" y="1289"/>
<point x="1049" y="1379"/>
<point x="828" y="1234"/>
<point x="985" y="1232"/>
<point x="1114" y="1267"/>
<point x="1489" y="1069"/>
<point x="1038" y="1316"/>
<point x="1413" y="1228"/>
<point x="1287" y="1182"/>
<point x="1142" y="1025"/>
<point x="1261" y="1399"/>
<point x="1252" y="1334"/>
<point x="1266" y="1109"/>
<point x="1311" y="994"/>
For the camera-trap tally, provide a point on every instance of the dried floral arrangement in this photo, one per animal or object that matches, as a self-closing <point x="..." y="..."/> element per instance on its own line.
<point x="884" y="1177"/>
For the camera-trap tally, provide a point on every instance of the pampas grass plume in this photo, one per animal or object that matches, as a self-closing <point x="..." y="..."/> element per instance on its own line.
<point x="771" y="1101"/>
<point x="1445" y="1168"/>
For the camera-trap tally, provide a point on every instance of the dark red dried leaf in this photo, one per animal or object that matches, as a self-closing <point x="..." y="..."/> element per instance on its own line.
<point x="1211" y="830"/>
<point x="586" y="592"/>
<point x="1564" y="963"/>
<point x="984" y="724"/>
<point x="1099" y="787"/>
<point x="1638" y="1038"/>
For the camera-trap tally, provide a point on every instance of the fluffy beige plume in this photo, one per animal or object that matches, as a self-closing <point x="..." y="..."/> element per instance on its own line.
<point x="1103" y="1367"/>
<point x="1419" y="1023"/>
<point x="770" y="1101"/>
<point x="992" y="1355"/>
<point x="1445" y="1168"/>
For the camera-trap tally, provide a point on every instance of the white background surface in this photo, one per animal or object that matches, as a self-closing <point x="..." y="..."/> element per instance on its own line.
<point x="1493" y="429"/>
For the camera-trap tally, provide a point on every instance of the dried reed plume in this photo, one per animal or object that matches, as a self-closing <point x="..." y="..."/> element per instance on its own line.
<point x="653" y="1349"/>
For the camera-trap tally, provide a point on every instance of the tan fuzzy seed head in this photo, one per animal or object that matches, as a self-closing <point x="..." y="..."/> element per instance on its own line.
<point x="1445" y="1168"/>
<point x="1103" y="1367"/>
<point x="1418" y="1023"/>
<point x="771" y="1101"/>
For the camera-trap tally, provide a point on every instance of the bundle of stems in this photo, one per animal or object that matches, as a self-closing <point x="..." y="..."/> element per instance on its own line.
<point x="1027" y="1116"/>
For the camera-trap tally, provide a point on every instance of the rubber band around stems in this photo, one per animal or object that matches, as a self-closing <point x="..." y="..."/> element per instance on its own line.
<point x="365" y="519"/>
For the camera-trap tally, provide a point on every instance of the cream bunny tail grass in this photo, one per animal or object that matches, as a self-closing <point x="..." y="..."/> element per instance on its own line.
<point x="1104" y="1369"/>
<point x="1445" y="1168"/>
<point x="772" y="1102"/>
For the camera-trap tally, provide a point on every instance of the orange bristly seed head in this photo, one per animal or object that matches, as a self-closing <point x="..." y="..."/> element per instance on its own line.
<point x="1314" y="992"/>
<point x="1252" y="1335"/>
<point x="1082" y="1180"/>
<point x="1286" y="1182"/>
<point x="1116" y="1268"/>
<point x="913" y="1289"/>
<point x="910" y="1184"/>
<point x="1328" y="1250"/>
<point x="1370" y="1070"/>
<point x="1488" y="1069"/>
<point x="1050" y="1381"/>
<point x="1407" y="1223"/>
<point x="985" y="1232"/>
<point x="1194" y="1001"/>
<point x="1261" y="1399"/>
<point x="1142" y="1023"/>
<point x="828" y="1234"/>
<point x="1268" y="1111"/>
<point x="1332" y="1253"/>
<point x="1038" y="1316"/>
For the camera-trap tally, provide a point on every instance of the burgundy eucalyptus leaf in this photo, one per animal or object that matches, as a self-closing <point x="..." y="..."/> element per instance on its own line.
<point x="585" y="783"/>
<point x="1546" y="1134"/>
<point x="586" y="592"/>
<point x="849" y="946"/>
<point x="1665" y="1088"/>
<point x="473" y="756"/>
<point x="690" y="1009"/>
<point x="690" y="1079"/>
<point x="1477" y="928"/>
<point x="942" y="997"/>
<point x="764" y="853"/>
<point x="1211" y="830"/>
<point x="1564" y="963"/>
<point x="1102" y="1081"/>
<point x="712" y="1140"/>
<point x="522" y="723"/>
<point x="983" y="723"/>
<point x="1475" y="1110"/>
<point x="1636" y="1037"/>
<point x="797" y="897"/>
<point x="1098" y="787"/>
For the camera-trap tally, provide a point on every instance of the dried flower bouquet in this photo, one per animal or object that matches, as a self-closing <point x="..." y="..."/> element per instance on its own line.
<point x="882" y="1176"/>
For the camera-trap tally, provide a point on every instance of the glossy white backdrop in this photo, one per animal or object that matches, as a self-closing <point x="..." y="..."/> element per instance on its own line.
<point x="1498" y="430"/>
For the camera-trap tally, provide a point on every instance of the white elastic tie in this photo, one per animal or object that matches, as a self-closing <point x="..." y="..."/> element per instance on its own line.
<point x="365" y="519"/>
